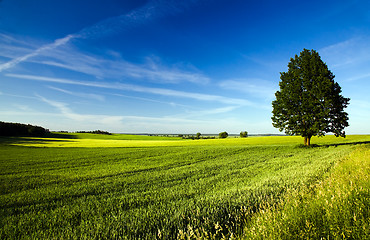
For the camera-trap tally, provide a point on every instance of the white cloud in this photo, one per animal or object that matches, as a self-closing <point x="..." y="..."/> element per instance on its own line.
<point x="109" y="66"/>
<point x="153" y="100"/>
<point x="218" y="110"/>
<point x="133" y="124"/>
<point x="201" y="113"/>
<point x="36" y="52"/>
<point x="256" y="87"/>
<point x="358" y="77"/>
<point x="23" y="107"/>
<point x="136" y="88"/>
<point x="108" y="26"/>
<point x="347" y="53"/>
<point x="100" y="67"/>
<point x="79" y="94"/>
<point x="68" y="113"/>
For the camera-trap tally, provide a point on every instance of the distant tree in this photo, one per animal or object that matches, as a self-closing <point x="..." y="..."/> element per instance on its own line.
<point x="223" y="135"/>
<point x="309" y="102"/>
<point x="198" y="135"/>
<point x="243" y="134"/>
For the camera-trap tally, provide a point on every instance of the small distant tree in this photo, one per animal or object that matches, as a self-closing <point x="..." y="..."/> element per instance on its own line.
<point x="223" y="135"/>
<point x="243" y="134"/>
<point x="309" y="102"/>
<point x="198" y="135"/>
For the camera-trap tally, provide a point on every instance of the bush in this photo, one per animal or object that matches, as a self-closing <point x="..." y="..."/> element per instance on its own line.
<point x="243" y="134"/>
<point x="223" y="135"/>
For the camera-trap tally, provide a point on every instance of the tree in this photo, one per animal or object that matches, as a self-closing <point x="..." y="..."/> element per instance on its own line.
<point x="198" y="135"/>
<point x="243" y="134"/>
<point x="309" y="102"/>
<point x="223" y="135"/>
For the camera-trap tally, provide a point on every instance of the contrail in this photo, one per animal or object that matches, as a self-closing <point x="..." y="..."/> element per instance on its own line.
<point x="51" y="46"/>
<point x="108" y="26"/>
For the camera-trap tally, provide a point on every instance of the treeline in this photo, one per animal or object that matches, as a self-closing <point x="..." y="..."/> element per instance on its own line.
<point x="243" y="134"/>
<point x="21" y="130"/>
<point x="195" y="137"/>
<point x="96" y="132"/>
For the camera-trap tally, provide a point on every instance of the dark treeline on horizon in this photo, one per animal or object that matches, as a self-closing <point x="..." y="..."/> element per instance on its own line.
<point x="96" y="132"/>
<point x="19" y="129"/>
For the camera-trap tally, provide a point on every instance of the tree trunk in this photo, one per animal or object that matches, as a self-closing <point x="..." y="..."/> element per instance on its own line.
<point x="307" y="140"/>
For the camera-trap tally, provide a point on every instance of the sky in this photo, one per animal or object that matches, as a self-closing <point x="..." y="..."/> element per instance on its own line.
<point x="167" y="66"/>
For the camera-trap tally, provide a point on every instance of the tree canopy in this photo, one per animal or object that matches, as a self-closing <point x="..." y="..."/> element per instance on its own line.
<point x="309" y="102"/>
<point x="223" y="135"/>
<point x="243" y="134"/>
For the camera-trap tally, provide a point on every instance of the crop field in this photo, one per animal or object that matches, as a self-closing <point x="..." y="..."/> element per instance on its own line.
<point x="84" y="186"/>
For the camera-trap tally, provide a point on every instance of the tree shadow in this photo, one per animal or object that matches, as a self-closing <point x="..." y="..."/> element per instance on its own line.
<point x="332" y="144"/>
<point x="341" y="144"/>
<point x="60" y="135"/>
<point x="8" y="141"/>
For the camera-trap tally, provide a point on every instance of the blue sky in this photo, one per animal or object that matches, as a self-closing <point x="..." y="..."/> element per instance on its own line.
<point x="167" y="66"/>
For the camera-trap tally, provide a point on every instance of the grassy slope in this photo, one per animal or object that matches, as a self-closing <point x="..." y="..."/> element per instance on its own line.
<point x="197" y="188"/>
<point x="337" y="208"/>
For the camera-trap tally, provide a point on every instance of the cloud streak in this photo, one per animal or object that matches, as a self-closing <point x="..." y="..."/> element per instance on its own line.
<point x="136" y="88"/>
<point x="68" y="113"/>
<point x="36" y="52"/>
<point x="152" y="10"/>
<point x="79" y="94"/>
<point x="353" y="51"/>
<point x="152" y="100"/>
<point x="106" y="27"/>
<point x="152" y="70"/>
<point x="256" y="87"/>
<point x="125" y="123"/>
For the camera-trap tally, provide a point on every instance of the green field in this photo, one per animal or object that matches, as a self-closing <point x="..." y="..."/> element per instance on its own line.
<point x="85" y="186"/>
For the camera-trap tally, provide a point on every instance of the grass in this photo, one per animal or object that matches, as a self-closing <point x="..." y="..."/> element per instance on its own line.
<point x="337" y="208"/>
<point x="79" y="188"/>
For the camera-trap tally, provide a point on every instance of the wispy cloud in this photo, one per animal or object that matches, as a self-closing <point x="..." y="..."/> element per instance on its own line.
<point x="195" y="114"/>
<point x="124" y="123"/>
<point x="12" y="47"/>
<point x="36" y="52"/>
<point x="151" y="70"/>
<point x="68" y="113"/>
<point x="108" y="26"/>
<point x="153" y="100"/>
<point x="349" y="52"/>
<point x="79" y="94"/>
<point x="110" y="65"/>
<point x="359" y="77"/>
<point x="255" y="87"/>
<point x="151" y="10"/>
<point x="136" y="88"/>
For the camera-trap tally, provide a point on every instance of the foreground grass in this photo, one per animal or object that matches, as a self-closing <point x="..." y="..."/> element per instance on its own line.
<point x="195" y="189"/>
<point x="338" y="208"/>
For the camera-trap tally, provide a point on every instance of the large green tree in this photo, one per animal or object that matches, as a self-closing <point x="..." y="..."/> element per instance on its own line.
<point x="309" y="102"/>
